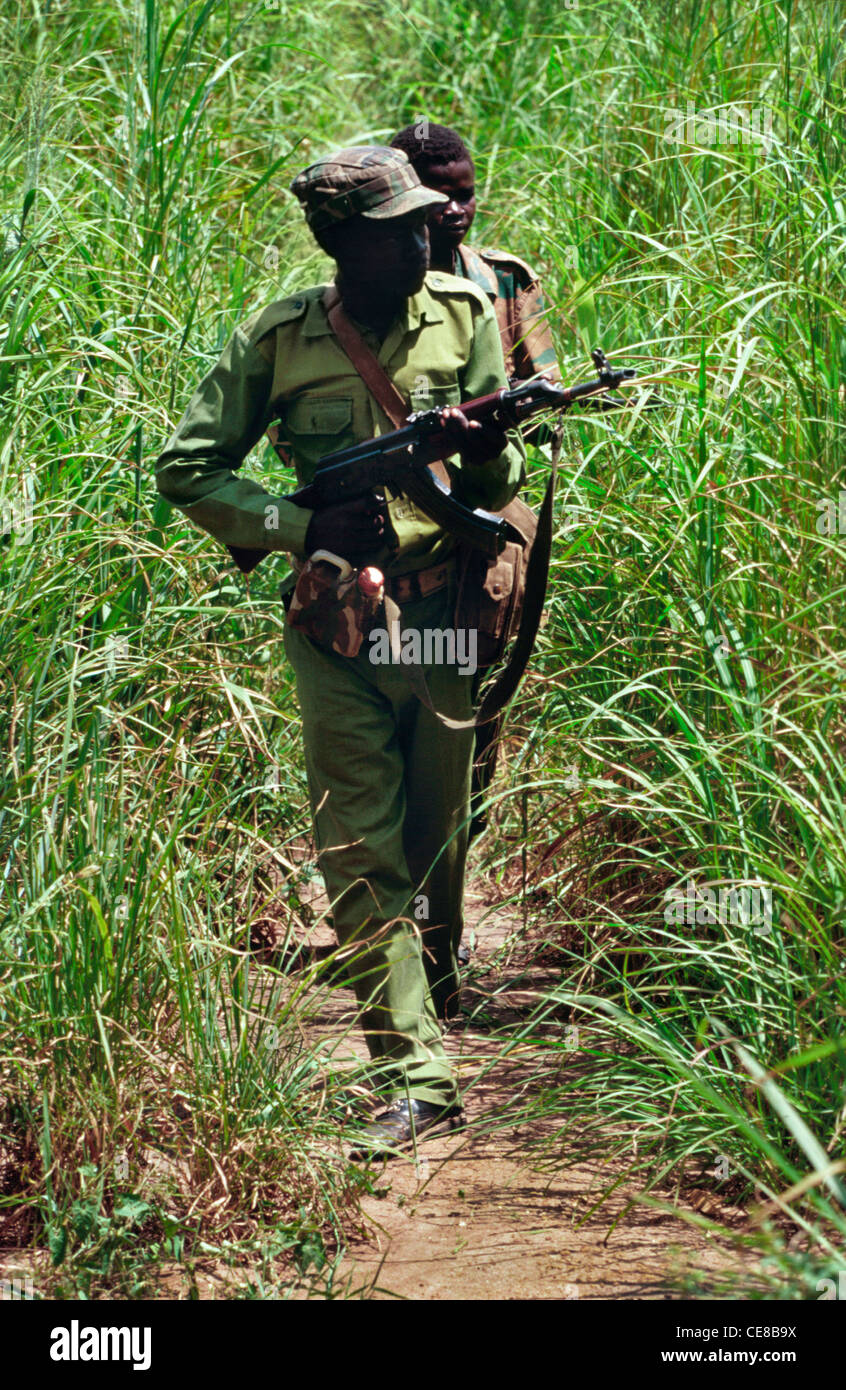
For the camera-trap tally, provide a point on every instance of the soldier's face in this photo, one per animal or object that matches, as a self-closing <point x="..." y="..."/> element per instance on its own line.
<point x="385" y="258"/>
<point x="450" y="222"/>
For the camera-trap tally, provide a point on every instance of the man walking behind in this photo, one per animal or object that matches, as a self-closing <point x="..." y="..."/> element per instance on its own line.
<point x="388" y="783"/>
<point x="443" y="163"/>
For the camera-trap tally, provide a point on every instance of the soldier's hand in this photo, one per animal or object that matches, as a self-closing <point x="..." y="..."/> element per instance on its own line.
<point x="354" y="530"/>
<point x="475" y="442"/>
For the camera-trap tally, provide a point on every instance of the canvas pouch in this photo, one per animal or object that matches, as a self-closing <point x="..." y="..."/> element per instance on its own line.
<point x="329" y="607"/>
<point x="491" y="591"/>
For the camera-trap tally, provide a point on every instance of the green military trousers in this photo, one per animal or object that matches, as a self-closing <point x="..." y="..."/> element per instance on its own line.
<point x="389" y="787"/>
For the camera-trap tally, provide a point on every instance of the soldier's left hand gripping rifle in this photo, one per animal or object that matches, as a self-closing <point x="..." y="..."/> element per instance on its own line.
<point x="401" y="458"/>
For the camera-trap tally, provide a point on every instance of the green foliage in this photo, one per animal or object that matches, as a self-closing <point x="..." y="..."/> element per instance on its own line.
<point x="684" y="719"/>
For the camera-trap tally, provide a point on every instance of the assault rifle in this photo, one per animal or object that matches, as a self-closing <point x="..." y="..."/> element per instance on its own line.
<point x="401" y="459"/>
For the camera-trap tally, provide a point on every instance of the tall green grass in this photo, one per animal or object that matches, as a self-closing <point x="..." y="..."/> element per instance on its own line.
<point x="683" y="718"/>
<point x="696" y="612"/>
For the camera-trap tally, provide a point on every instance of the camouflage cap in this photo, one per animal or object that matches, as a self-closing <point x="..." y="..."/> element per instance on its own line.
<point x="374" y="180"/>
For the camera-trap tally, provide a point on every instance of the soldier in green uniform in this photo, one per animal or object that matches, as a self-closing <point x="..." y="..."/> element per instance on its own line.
<point x="388" y="783"/>
<point x="443" y="164"/>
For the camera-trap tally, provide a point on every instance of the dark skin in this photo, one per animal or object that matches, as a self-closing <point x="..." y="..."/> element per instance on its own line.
<point x="450" y="222"/>
<point x="381" y="262"/>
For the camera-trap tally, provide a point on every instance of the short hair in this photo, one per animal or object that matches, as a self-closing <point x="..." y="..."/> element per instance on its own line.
<point x="426" y="144"/>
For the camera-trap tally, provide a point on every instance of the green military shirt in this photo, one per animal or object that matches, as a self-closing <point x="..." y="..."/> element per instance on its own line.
<point x="284" y="364"/>
<point x="514" y="291"/>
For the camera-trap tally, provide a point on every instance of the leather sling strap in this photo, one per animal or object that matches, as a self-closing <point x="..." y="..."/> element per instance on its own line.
<point x="366" y="363"/>
<point x="385" y="393"/>
<point x="388" y="397"/>
<point x="369" y="367"/>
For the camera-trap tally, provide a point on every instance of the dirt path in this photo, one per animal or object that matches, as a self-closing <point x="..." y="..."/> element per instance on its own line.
<point x="472" y="1217"/>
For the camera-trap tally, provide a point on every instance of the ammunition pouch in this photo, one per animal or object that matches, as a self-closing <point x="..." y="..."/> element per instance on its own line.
<point x="491" y="591"/>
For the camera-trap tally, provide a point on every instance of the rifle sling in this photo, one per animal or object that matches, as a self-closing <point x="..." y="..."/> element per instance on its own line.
<point x="376" y="380"/>
<point x="369" y="367"/>
<point x="366" y="363"/>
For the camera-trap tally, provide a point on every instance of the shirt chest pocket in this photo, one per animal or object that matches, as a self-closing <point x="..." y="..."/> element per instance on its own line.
<point x="319" y="415"/>
<point x="314" y="426"/>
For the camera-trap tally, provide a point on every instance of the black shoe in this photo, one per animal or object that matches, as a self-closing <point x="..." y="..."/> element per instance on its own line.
<point x="402" y="1124"/>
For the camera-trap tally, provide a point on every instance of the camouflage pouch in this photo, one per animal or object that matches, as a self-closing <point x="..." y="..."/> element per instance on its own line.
<point x="330" y="605"/>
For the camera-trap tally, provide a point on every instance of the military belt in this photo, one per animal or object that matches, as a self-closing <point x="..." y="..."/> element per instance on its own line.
<point x="402" y="588"/>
